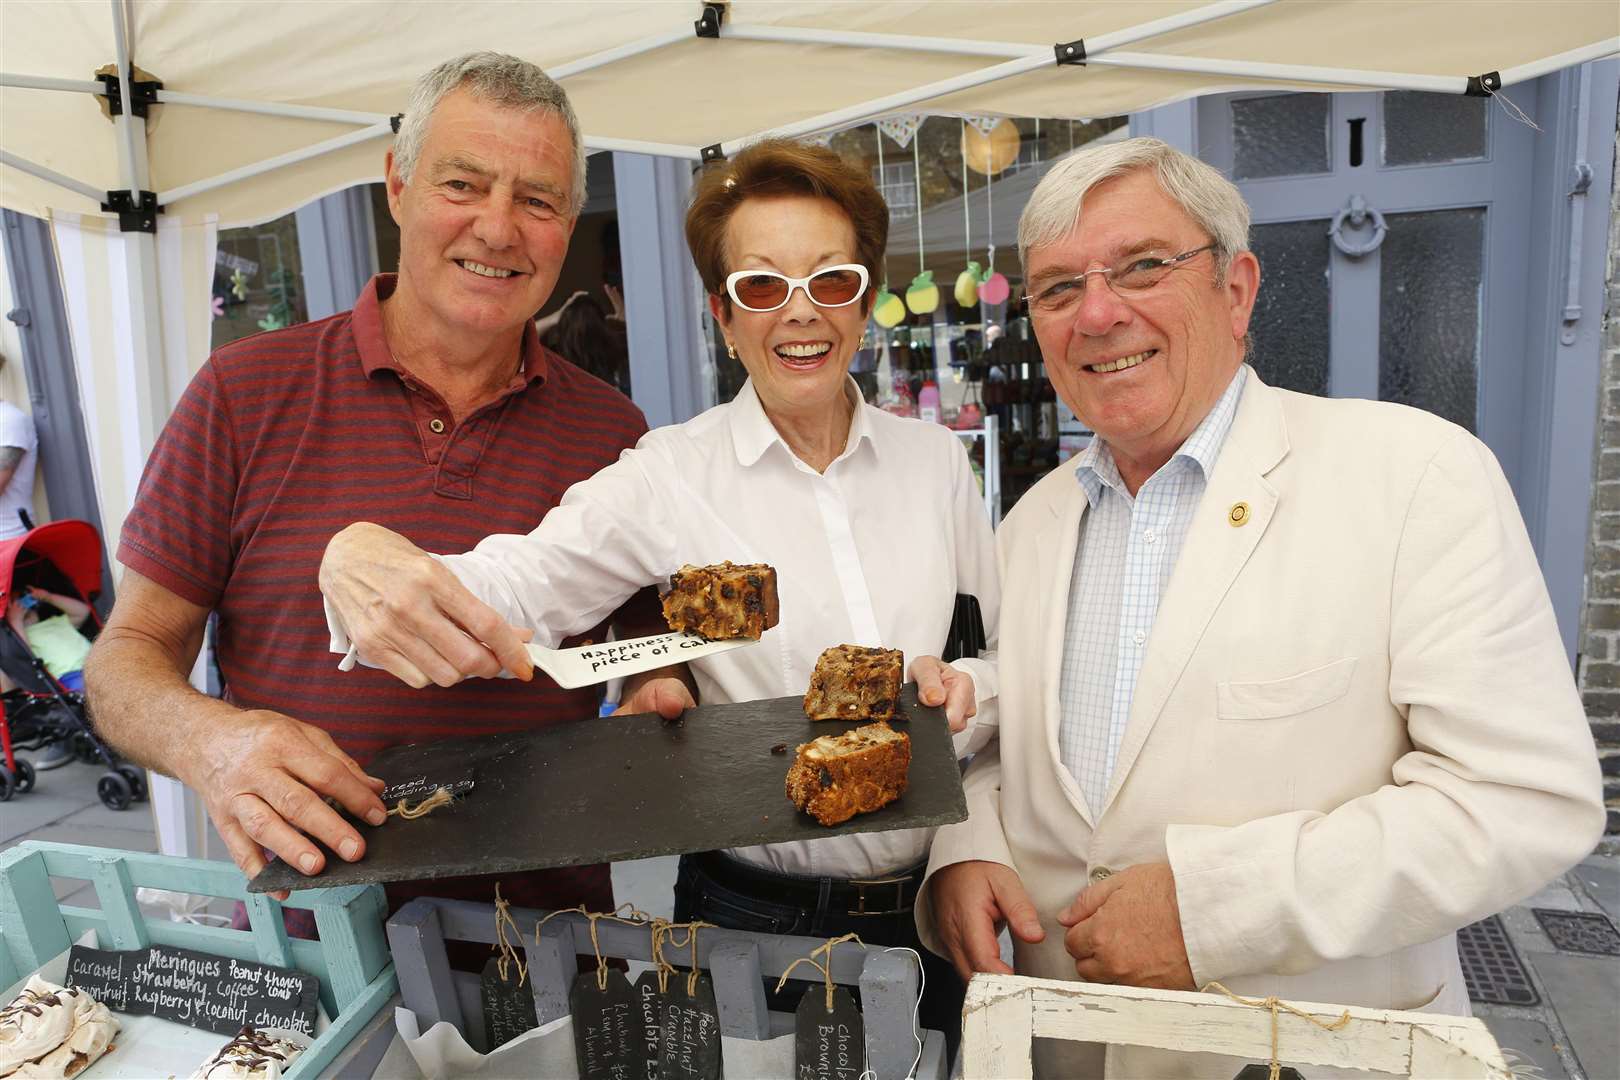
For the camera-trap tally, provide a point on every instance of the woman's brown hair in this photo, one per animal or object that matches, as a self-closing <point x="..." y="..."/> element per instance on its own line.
<point x="773" y="167"/>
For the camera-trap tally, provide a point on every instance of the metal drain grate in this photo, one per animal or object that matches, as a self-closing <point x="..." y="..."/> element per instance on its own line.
<point x="1580" y="931"/>
<point x="1491" y="966"/>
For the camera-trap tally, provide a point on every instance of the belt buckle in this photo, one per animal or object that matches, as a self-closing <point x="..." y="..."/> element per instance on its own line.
<point x="899" y="885"/>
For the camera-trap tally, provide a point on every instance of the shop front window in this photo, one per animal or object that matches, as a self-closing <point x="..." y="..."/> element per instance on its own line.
<point x="258" y="280"/>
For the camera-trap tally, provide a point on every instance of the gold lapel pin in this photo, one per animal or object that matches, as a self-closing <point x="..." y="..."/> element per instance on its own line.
<point x="1238" y="515"/>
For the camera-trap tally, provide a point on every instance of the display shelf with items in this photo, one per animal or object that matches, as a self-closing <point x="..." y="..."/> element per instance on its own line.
<point x="984" y="453"/>
<point x="350" y="963"/>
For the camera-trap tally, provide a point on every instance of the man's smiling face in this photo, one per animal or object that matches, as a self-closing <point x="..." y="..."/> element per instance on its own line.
<point x="485" y="218"/>
<point x="1141" y="373"/>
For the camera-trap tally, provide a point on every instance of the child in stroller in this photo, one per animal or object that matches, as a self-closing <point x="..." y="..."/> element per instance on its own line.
<point x="49" y="577"/>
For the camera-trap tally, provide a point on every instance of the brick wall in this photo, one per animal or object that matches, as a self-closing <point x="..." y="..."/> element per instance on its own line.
<point x="1599" y="674"/>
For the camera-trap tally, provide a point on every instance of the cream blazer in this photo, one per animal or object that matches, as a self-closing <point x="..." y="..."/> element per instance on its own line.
<point x="1355" y="729"/>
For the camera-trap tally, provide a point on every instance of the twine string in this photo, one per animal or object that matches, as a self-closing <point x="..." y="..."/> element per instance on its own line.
<point x="509" y="953"/>
<point x="440" y="797"/>
<point x="1275" y="1005"/>
<point x="825" y="968"/>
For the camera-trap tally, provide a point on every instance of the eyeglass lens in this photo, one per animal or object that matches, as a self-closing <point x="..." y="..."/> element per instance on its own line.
<point x="765" y="291"/>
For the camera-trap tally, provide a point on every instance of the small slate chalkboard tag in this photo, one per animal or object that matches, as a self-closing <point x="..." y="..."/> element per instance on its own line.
<point x="691" y="1031"/>
<point x="508" y="1004"/>
<point x="650" y="1003"/>
<point x="828" y="1045"/>
<point x="413" y="789"/>
<point x="607" y="1029"/>
<point x="1263" y="1072"/>
<point x="200" y="990"/>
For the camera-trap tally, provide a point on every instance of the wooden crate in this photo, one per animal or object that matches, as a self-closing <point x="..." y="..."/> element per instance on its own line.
<point x="1005" y="1012"/>
<point x="350" y="960"/>
<point x="739" y="963"/>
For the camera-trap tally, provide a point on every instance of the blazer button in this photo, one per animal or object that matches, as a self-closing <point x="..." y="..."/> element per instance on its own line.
<point x="1100" y="873"/>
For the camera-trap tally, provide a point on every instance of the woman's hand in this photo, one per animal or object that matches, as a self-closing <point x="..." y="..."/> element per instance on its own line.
<point x="940" y="684"/>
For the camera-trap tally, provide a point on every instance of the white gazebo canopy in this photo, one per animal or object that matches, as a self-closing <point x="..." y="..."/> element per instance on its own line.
<point x="266" y="106"/>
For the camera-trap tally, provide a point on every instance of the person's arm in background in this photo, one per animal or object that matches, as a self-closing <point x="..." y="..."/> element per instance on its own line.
<point x="75" y="609"/>
<point x="264" y="777"/>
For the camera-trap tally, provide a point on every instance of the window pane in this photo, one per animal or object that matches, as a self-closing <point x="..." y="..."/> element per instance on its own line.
<point x="1280" y="135"/>
<point x="1290" y="323"/>
<point x="1430" y="276"/>
<point x="1427" y="129"/>
<point x="258" y="280"/>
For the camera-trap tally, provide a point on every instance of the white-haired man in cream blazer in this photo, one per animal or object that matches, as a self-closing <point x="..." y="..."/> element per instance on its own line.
<point x="1283" y="702"/>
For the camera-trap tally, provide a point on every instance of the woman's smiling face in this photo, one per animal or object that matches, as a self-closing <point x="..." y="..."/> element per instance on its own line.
<point x="798" y="356"/>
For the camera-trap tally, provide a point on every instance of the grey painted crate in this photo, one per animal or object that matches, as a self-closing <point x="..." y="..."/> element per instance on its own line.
<point x="739" y="962"/>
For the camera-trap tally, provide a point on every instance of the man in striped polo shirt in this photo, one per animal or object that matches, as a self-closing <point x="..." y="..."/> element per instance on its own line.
<point x="431" y="407"/>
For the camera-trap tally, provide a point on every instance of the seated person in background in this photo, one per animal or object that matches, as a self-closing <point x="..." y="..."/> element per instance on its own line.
<point x="590" y="338"/>
<point x="54" y="638"/>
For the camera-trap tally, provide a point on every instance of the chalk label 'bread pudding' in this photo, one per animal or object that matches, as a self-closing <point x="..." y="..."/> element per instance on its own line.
<point x="854" y="682"/>
<point x="835" y="777"/>
<point x="722" y="601"/>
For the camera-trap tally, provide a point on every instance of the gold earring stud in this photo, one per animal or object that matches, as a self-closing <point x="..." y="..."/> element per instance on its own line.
<point x="731" y="350"/>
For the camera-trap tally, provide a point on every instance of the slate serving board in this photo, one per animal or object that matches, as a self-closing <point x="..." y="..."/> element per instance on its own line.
<point x="627" y="787"/>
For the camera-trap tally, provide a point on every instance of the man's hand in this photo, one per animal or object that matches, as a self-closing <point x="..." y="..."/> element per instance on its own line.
<point x="1126" y="929"/>
<point x="940" y="684"/>
<point x="264" y="778"/>
<point x="972" y="901"/>
<point x="668" y="697"/>
<point x="410" y="616"/>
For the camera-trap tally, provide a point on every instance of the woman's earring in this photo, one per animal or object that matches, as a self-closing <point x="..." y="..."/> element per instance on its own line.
<point x="731" y="350"/>
<point x="862" y="345"/>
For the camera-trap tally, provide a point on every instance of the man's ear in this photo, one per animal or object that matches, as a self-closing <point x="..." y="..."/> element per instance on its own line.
<point x="394" y="184"/>
<point x="1242" y="285"/>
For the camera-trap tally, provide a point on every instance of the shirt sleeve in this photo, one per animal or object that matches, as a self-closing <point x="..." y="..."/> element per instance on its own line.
<point x="178" y="531"/>
<point x="16" y="428"/>
<point x="976" y="575"/>
<point x="612" y="535"/>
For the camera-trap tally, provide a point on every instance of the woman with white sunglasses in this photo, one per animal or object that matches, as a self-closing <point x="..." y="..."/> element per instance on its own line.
<point x="873" y="522"/>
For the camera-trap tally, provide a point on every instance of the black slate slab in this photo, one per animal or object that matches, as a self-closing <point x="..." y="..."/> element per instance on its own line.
<point x="627" y="787"/>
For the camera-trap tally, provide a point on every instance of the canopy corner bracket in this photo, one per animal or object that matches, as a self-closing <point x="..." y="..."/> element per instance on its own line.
<point x="1070" y="53"/>
<point x="137" y="210"/>
<point x="144" y="93"/>
<point x="1484" y="85"/>
<point x="708" y="24"/>
<point x="711" y="153"/>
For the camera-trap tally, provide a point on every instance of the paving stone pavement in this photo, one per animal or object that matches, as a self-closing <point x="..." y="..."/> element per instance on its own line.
<point x="1574" y="1034"/>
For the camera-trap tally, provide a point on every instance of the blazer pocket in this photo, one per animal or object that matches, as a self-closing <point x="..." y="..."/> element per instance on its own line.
<point x="1284" y="697"/>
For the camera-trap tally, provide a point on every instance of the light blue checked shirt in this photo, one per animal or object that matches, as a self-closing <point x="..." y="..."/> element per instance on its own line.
<point x="1128" y="550"/>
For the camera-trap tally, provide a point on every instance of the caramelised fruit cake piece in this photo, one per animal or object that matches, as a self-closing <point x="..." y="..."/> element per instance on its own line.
<point x="855" y="682"/>
<point x="835" y="777"/>
<point x="722" y="601"/>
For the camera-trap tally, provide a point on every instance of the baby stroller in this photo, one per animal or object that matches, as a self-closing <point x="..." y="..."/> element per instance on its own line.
<point x="63" y="557"/>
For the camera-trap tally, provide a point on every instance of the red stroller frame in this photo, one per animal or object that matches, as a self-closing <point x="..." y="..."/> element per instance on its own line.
<point x="66" y="557"/>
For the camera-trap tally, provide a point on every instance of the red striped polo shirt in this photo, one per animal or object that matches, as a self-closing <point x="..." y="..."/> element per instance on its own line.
<point x="284" y="438"/>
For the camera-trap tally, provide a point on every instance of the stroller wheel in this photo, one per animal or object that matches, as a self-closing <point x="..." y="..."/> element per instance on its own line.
<point x="136" y="778"/>
<point x="8" y="784"/>
<point x="114" y="791"/>
<point x="24" y="776"/>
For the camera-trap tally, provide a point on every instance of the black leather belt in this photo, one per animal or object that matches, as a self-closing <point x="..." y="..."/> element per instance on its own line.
<point x="891" y="895"/>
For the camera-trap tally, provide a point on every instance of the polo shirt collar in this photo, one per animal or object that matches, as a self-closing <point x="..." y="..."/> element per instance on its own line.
<point x="375" y="355"/>
<point x="752" y="432"/>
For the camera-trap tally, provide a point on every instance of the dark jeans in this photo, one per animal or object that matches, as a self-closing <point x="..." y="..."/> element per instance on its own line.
<point x="704" y="891"/>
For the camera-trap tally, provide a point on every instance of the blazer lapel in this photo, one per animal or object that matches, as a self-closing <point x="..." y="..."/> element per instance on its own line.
<point x="1057" y="548"/>
<point x="1214" y="553"/>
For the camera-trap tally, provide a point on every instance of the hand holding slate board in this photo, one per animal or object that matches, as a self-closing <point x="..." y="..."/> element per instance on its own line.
<point x="200" y="990"/>
<point x="627" y="787"/>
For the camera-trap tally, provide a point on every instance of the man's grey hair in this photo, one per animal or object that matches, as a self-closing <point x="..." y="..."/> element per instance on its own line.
<point x="1208" y="197"/>
<point x="501" y="80"/>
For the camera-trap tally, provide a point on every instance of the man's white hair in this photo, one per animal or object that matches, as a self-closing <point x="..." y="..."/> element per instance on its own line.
<point x="501" y="80"/>
<point x="1208" y="197"/>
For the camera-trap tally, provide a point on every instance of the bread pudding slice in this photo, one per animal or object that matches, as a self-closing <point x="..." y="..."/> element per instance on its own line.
<point x="855" y="682"/>
<point x="835" y="777"/>
<point x="722" y="601"/>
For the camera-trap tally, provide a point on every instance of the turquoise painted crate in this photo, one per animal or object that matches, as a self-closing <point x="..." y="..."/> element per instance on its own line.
<point x="351" y="959"/>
